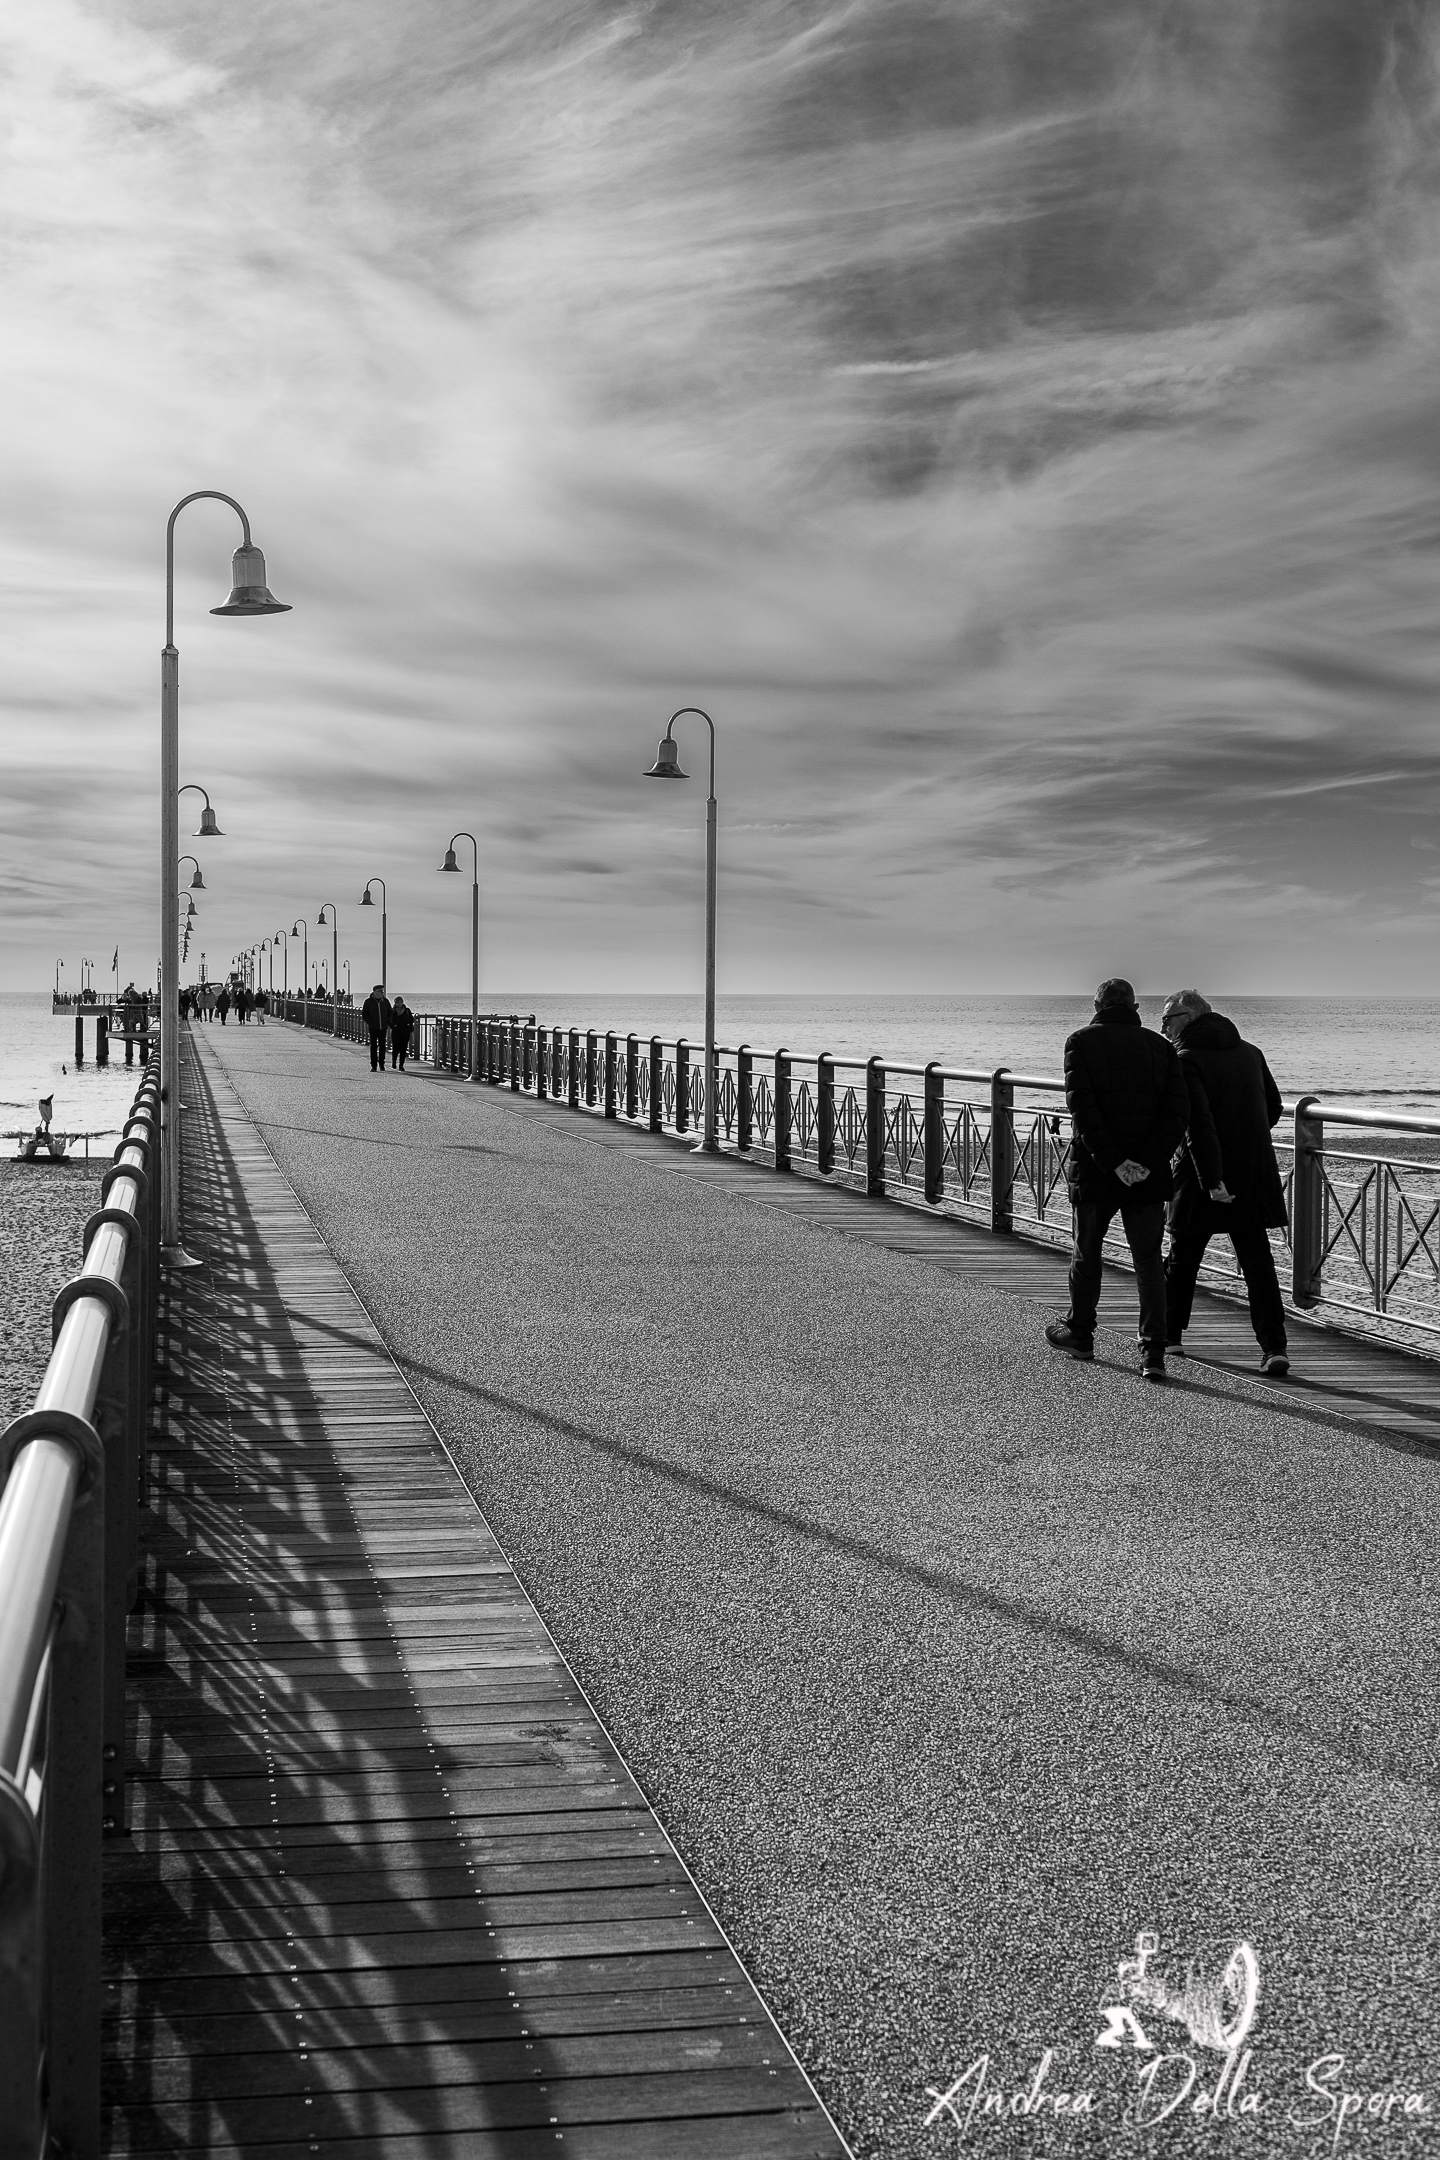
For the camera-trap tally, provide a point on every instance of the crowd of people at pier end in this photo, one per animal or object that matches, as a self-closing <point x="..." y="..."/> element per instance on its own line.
<point x="1177" y="1123"/>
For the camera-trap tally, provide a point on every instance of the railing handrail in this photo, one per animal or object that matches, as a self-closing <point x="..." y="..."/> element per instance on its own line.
<point x="68" y="1518"/>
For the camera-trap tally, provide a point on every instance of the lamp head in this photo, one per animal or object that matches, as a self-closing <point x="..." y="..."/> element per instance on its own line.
<point x="667" y="762"/>
<point x="207" y="829"/>
<point x="190" y="909"/>
<point x="197" y="883"/>
<point x="365" y="900"/>
<point x="250" y="595"/>
<point x="450" y="862"/>
<point x="320" y="919"/>
<point x="295" y="930"/>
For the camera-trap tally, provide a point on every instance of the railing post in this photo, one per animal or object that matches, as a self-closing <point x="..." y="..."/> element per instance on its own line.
<point x="745" y="1094"/>
<point x="875" y="1125"/>
<point x="1307" y="1204"/>
<point x="782" y="1110"/>
<point x="542" y="1059"/>
<point x="515" y="1055"/>
<point x="572" y="1070"/>
<point x="1002" y="1151"/>
<point x="632" y="1075"/>
<point x="611" y="1060"/>
<point x="592" y="1058"/>
<point x="934" y="1134"/>
<point x="825" y="1113"/>
<point x="682" y="1085"/>
<point x="557" y="1053"/>
<point x="657" y="1083"/>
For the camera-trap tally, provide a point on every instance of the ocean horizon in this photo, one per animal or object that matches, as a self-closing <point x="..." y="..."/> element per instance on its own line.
<point x="1385" y="1050"/>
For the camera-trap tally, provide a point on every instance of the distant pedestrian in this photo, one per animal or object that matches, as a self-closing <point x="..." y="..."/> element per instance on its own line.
<point x="376" y="1014"/>
<point x="1229" y="1181"/>
<point x="1127" y="1101"/>
<point x="262" y="1006"/>
<point x="222" y="1005"/>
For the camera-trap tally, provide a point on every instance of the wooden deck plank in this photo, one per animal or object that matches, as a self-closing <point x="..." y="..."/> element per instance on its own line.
<point x="389" y="1887"/>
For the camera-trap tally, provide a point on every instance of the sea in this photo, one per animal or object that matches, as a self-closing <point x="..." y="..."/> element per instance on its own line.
<point x="1384" y="1051"/>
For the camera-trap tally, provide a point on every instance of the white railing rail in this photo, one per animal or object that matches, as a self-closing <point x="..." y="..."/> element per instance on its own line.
<point x="69" y="1564"/>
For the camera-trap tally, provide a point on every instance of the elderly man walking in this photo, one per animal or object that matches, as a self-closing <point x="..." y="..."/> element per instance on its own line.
<point x="1127" y="1101"/>
<point x="1229" y="1181"/>
<point x="375" y="1012"/>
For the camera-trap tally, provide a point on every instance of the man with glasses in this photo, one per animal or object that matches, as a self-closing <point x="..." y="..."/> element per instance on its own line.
<point x="1229" y="1181"/>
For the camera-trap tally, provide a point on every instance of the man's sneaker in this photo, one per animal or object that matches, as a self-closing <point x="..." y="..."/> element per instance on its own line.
<point x="1153" y="1367"/>
<point x="1275" y="1363"/>
<point x="1063" y="1336"/>
<point x="1172" y="1349"/>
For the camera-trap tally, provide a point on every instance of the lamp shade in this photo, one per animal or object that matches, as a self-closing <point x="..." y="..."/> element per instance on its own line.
<point x="190" y="909"/>
<point x="450" y="862"/>
<point x="320" y="919"/>
<point x="365" y="900"/>
<point x="207" y="829"/>
<point x="667" y="762"/>
<point x="197" y="883"/>
<point x="250" y="595"/>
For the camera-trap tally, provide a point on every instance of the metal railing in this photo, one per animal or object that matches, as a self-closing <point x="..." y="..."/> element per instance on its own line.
<point x="988" y="1147"/>
<point x="69" y="1572"/>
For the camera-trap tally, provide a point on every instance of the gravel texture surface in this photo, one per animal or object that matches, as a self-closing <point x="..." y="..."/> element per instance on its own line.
<point x="949" y="1665"/>
<point x="44" y="1208"/>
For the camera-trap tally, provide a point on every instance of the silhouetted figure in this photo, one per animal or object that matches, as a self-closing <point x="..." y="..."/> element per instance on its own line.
<point x="402" y="1025"/>
<point x="376" y="1014"/>
<point x="1229" y="1182"/>
<point x="1127" y="1100"/>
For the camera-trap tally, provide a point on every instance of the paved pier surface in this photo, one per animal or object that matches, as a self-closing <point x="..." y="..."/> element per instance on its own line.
<point x="948" y="1665"/>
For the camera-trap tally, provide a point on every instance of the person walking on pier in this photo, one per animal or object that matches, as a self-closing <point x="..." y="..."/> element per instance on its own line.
<point x="402" y="1022"/>
<point x="1229" y="1182"/>
<point x="1128" y="1104"/>
<point x="222" y="1004"/>
<point x="376" y="1014"/>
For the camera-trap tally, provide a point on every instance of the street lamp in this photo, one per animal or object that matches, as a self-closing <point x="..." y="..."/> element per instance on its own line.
<point x="285" y="981"/>
<point x="249" y="596"/>
<point x="366" y="901"/>
<point x="451" y="864"/>
<point x="335" y="969"/>
<point x="207" y="829"/>
<point x="301" y="929"/>
<point x="197" y="883"/>
<point x="667" y="767"/>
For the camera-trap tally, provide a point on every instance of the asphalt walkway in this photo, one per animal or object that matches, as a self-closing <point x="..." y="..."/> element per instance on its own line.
<point x="949" y="1666"/>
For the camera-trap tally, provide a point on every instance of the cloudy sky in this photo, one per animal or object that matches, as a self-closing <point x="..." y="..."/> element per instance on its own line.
<point x="1017" y="422"/>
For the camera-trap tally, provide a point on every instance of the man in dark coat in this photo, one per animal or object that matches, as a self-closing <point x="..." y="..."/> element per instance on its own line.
<point x="376" y="1014"/>
<point x="1229" y="1181"/>
<point x="1127" y="1102"/>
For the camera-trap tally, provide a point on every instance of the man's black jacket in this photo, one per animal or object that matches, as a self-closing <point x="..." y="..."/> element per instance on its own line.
<point x="1126" y="1094"/>
<point x="375" y="1012"/>
<point x="1233" y="1104"/>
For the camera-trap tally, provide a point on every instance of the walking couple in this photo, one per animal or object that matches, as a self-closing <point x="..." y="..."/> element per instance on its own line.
<point x="1183" y="1118"/>
<point x="387" y="1024"/>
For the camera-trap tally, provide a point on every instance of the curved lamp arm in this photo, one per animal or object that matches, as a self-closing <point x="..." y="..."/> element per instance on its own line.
<point x="200" y="495"/>
<point x="474" y="852"/>
<point x="710" y="724"/>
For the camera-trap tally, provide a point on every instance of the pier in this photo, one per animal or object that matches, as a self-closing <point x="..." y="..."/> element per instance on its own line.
<point x="637" y="1654"/>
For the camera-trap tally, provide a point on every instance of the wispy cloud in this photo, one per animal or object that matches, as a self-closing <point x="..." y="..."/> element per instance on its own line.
<point x="1018" y="424"/>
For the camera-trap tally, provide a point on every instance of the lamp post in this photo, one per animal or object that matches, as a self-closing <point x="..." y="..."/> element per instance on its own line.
<point x="335" y="967"/>
<point x="366" y="901"/>
<point x="667" y="767"/>
<point x="249" y="595"/>
<point x="58" y="965"/>
<point x="451" y="864"/>
<point x="285" y="956"/>
<point x="301" y="929"/>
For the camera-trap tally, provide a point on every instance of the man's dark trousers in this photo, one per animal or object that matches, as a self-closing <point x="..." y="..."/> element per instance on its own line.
<point x="377" y="1049"/>
<point x="1144" y="1228"/>
<point x="1205" y="1218"/>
